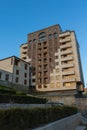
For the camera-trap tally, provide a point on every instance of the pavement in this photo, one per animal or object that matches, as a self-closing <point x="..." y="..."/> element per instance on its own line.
<point x="80" y="128"/>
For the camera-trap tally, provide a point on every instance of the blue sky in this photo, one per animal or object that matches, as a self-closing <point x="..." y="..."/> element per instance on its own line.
<point x="20" y="17"/>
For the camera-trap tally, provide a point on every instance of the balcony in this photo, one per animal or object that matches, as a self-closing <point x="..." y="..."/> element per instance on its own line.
<point x="66" y="52"/>
<point x="68" y="72"/>
<point x="69" y="80"/>
<point x="67" y="45"/>
<point x="24" y="47"/>
<point x="67" y="65"/>
<point x="67" y="39"/>
<point x="67" y="58"/>
<point x="64" y="34"/>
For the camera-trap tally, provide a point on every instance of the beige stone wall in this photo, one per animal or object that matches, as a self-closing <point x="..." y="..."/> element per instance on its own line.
<point x="6" y="64"/>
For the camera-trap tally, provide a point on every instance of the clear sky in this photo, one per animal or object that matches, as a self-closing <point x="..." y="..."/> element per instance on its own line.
<point x="20" y="17"/>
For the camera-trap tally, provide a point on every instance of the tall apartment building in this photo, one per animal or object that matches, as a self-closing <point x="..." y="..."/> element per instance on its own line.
<point x="54" y="58"/>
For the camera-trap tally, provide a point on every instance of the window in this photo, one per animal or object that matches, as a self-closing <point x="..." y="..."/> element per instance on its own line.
<point x="56" y="57"/>
<point x="16" y="62"/>
<point x="30" y="42"/>
<point x="45" y="86"/>
<point x="7" y="77"/>
<point x="50" y="36"/>
<point x="67" y="84"/>
<point x="0" y="75"/>
<point x="34" y="40"/>
<point x="55" y="35"/>
<point x="17" y="72"/>
<point x="39" y="86"/>
<point x="25" y="66"/>
<point x="25" y="82"/>
<point x="25" y="75"/>
<point x="33" y="80"/>
<point x="16" y="79"/>
<point x="42" y="36"/>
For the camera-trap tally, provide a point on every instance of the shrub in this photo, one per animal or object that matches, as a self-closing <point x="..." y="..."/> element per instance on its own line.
<point x="22" y="99"/>
<point x="20" y="119"/>
<point x="7" y="91"/>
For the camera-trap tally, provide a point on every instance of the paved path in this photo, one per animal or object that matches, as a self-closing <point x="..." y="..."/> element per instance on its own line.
<point x="80" y="128"/>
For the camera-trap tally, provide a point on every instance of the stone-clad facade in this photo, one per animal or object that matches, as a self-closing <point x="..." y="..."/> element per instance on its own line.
<point x="54" y="58"/>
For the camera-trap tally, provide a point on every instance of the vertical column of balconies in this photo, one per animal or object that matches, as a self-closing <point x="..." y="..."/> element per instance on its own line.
<point x="67" y="60"/>
<point x="24" y="51"/>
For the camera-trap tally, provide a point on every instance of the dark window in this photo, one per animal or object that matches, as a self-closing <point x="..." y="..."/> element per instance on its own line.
<point x="0" y="75"/>
<point x="30" y="42"/>
<point x="39" y="86"/>
<point x="17" y="72"/>
<point x="16" y="62"/>
<point x="50" y="36"/>
<point x="7" y="77"/>
<point x="25" y="66"/>
<point x="25" y="82"/>
<point x="42" y="36"/>
<point x="33" y="80"/>
<point x="56" y="57"/>
<point x="45" y="86"/>
<point x="25" y="75"/>
<point x="55" y="35"/>
<point x="34" y="40"/>
<point x="16" y="79"/>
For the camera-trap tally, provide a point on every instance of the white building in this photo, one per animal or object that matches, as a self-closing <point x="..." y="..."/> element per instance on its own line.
<point x="15" y="72"/>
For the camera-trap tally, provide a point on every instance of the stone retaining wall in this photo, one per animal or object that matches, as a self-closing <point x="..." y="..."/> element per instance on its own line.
<point x="9" y="105"/>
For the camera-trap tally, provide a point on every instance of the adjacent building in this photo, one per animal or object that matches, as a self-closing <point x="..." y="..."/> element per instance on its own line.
<point x="54" y="58"/>
<point x="14" y="72"/>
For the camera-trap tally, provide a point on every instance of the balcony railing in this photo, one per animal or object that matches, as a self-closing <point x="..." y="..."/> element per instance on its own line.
<point x="67" y="39"/>
<point x="68" y="79"/>
<point x="66" y="45"/>
<point x="67" y="65"/>
<point x="67" y="58"/>
<point x="64" y="34"/>
<point x="68" y="72"/>
<point x="66" y="52"/>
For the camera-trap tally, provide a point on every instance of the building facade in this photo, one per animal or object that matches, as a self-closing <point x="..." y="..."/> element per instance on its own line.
<point x="15" y="71"/>
<point x="54" y="58"/>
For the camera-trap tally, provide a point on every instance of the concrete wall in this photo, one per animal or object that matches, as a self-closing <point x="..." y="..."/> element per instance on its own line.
<point x="18" y="87"/>
<point x="10" y="105"/>
<point x="3" y="75"/>
<point x="69" y="123"/>
<point x="81" y="104"/>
